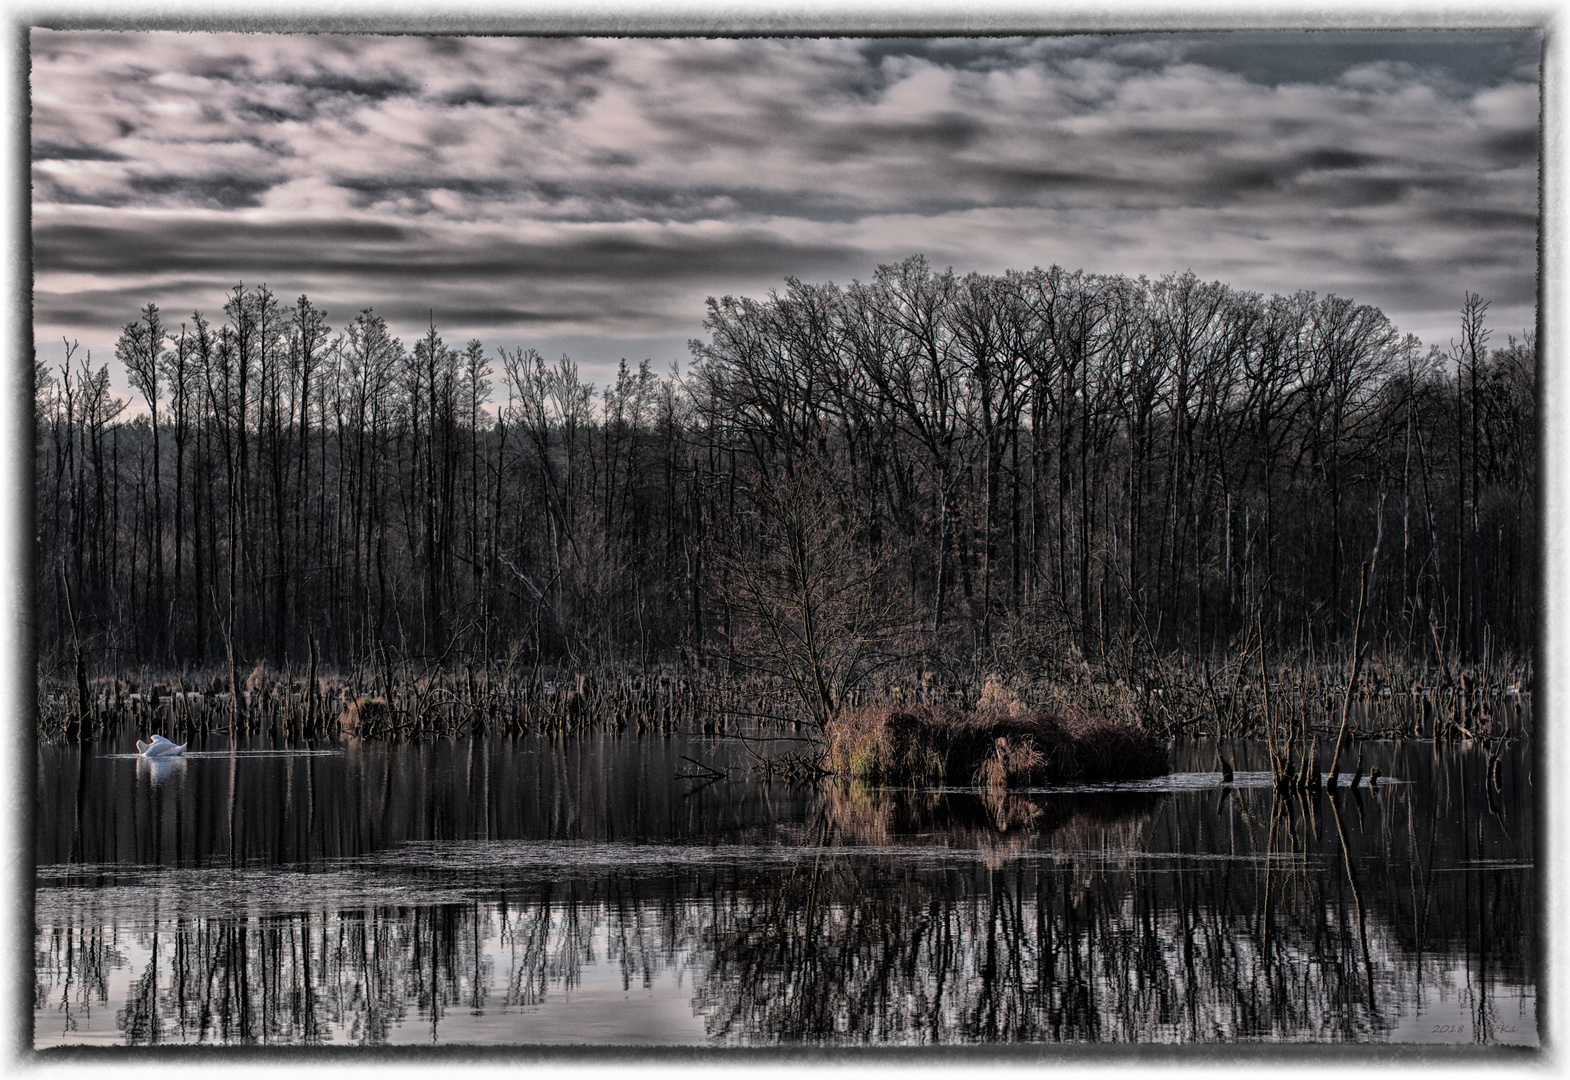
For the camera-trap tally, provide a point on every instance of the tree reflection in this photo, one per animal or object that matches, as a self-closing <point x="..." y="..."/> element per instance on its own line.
<point x="1222" y="914"/>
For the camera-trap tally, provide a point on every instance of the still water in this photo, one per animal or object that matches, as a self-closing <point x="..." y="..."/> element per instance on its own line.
<point x="579" y="890"/>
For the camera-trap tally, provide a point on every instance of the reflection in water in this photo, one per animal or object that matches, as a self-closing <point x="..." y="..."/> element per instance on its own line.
<point x="553" y="899"/>
<point x="157" y="770"/>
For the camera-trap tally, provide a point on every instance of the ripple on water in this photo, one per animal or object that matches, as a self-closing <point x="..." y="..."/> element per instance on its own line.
<point x="230" y="754"/>
<point x="1190" y="781"/>
<point x="438" y="872"/>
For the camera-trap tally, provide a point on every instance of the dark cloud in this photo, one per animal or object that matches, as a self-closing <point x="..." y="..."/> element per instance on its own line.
<point x="45" y="150"/>
<point x="1234" y="180"/>
<point x="374" y="89"/>
<point x="1289" y="127"/>
<point x="714" y="64"/>
<point x="206" y="244"/>
<point x="366" y="253"/>
<point x="228" y="192"/>
<point x="476" y="95"/>
<point x="1330" y="157"/>
<point x="112" y="308"/>
<point x="495" y="315"/>
<point x="577" y="65"/>
<point x="943" y="133"/>
<point x="1460" y="60"/>
<point x="1020" y="183"/>
<point x="246" y="109"/>
<point x="445" y="48"/>
<point x="373" y="189"/>
<point x="969" y="54"/>
<point x="1483" y="219"/>
<point x="1178" y="141"/>
<point x="705" y="136"/>
<point x="1513" y="147"/>
<point x="222" y="66"/>
<point x="1427" y="299"/>
<point x="1358" y="191"/>
<point x="51" y="190"/>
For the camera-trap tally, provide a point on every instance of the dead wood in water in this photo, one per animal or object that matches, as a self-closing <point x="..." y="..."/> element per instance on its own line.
<point x="1357" y="669"/>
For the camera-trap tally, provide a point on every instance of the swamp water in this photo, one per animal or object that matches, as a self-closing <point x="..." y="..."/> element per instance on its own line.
<point x="538" y="890"/>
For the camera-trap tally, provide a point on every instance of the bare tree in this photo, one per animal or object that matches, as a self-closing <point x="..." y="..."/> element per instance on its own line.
<point x="140" y="349"/>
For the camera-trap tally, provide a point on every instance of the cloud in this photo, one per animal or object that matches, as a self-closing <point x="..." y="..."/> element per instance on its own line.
<point x="226" y="190"/>
<point x="603" y="187"/>
<point x="629" y="279"/>
<point x="52" y="151"/>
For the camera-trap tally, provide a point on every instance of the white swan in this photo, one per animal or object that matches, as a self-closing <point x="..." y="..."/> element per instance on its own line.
<point x="159" y="747"/>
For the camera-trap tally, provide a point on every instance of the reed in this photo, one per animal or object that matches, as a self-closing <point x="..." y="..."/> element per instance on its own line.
<point x="1002" y="742"/>
<point x="1288" y="702"/>
<point x="387" y="698"/>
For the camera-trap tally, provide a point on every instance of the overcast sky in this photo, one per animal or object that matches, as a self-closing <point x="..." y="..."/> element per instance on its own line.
<point x="586" y="195"/>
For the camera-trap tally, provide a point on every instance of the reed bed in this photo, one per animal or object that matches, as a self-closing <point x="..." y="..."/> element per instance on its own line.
<point x="385" y="699"/>
<point x="1389" y="700"/>
<point x="1002" y="742"/>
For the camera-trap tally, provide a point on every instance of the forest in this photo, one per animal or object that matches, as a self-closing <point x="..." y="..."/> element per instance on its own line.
<point x="921" y="473"/>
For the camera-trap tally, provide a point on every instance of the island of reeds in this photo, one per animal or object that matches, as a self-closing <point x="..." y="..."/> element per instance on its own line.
<point x="1001" y="742"/>
<point x="1011" y="529"/>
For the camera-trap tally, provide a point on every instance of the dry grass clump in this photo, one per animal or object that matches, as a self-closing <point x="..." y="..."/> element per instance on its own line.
<point x="257" y="679"/>
<point x="366" y="717"/>
<point x="1012" y="762"/>
<point x="886" y="743"/>
<point x="1003" y="742"/>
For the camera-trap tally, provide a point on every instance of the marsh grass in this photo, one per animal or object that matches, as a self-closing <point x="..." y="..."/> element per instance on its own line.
<point x="1003" y="741"/>
<point x="381" y="699"/>
<point x="1064" y="722"/>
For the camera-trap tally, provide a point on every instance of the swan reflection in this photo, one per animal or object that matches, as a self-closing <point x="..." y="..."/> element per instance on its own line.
<point x="159" y="768"/>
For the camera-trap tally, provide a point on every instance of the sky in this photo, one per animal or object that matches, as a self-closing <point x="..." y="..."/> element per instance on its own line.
<point x="586" y="195"/>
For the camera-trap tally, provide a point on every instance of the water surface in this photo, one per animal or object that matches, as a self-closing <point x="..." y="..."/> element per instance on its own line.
<point x="536" y="890"/>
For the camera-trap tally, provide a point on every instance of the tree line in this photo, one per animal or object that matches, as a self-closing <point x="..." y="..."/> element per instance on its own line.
<point x="921" y="465"/>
